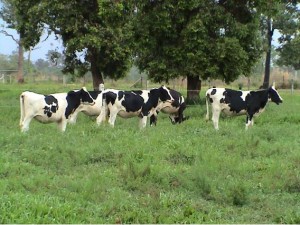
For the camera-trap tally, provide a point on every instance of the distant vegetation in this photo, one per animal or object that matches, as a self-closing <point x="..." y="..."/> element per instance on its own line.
<point x="44" y="70"/>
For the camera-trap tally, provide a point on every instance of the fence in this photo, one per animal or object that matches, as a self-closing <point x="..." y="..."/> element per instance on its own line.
<point x="283" y="79"/>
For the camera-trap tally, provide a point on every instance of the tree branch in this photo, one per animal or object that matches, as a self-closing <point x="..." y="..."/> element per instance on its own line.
<point x="9" y="35"/>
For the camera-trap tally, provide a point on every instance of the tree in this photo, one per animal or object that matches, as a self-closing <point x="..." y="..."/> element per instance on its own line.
<point x="197" y="39"/>
<point x="41" y="64"/>
<point x="16" y="13"/>
<point x="290" y="40"/>
<point x="55" y="59"/>
<point x="289" y="54"/>
<point x="281" y="15"/>
<point x="95" y="34"/>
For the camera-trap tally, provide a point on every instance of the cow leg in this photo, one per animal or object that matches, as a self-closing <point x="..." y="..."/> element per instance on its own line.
<point x="215" y="118"/>
<point x="24" y="125"/>
<point x="172" y="118"/>
<point x="180" y="114"/>
<point x="143" y="122"/>
<point x="62" y="125"/>
<point x="249" y="121"/>
<point x="73" y="117"/>
<point x="112" y="119"/>
<point x="153" y="120"/>
<point x="102" y="116"/>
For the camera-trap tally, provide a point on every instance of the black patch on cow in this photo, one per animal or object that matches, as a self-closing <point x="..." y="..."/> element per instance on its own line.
<point x="94" y="94"/>
<point x="180" y="104"/>
<point x="85" y="96"/>
<point x="154" y="96"/>
<point x="52" y="107"/>
<point x="74" y="98"/>
<point x="109" y="97"/>
<point x="234" y="100"/>
<point x="214" y="91"/>
<point x="138" y="92"/>
<point x="153" y="119"/>
<point x="120" y="95"/>
<point x="132" y="102"/>
<point x="177" y="98"/>
<point x="256" y="100"/>
<point x="164" y="94"/>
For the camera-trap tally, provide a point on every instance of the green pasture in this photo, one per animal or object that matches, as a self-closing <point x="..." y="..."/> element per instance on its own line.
<point x="187" y="173"/>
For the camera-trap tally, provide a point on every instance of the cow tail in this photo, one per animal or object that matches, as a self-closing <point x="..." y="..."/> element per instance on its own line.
<point x="22" y="99"/>
<point x="207" y="106"/>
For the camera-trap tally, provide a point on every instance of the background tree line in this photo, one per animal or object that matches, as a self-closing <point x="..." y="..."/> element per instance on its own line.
<point x="196" y="39"/>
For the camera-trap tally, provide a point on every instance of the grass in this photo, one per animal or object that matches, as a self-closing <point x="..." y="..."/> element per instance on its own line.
<point x="187" y="173"/>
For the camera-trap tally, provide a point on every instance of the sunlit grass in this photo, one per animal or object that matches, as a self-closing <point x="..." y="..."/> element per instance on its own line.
<point x="187" y="173"/>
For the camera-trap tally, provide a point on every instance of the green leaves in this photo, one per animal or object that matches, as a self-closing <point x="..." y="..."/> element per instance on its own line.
<point x="206" y="39"/>
<point x="289" y="53"/>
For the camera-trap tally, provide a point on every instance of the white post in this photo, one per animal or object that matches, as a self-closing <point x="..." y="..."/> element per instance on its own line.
<point x="101" y="87"/>
<point x="2" y="77"/>
<point x="64" y="80"/>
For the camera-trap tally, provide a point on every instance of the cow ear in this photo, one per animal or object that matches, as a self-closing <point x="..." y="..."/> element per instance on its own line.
<point x="84" y="89"/>
<point x="273" y="85"/>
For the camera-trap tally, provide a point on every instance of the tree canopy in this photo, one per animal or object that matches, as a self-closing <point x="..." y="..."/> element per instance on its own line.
<point x="195" y="39"/>
<point x="95" y="35"/>
<point x="206" y="39"/>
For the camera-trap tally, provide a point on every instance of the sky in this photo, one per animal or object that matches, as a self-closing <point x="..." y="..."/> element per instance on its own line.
<point x="8" y="45"/>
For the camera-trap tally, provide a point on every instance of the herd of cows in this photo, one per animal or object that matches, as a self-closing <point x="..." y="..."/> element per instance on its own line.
<point x="63" y="108"/>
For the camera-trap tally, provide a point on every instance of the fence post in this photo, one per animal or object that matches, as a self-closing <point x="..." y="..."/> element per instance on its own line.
<point x="3" y="78"/>
<point x="64" y="80"/>
<point x="295" y="77"/>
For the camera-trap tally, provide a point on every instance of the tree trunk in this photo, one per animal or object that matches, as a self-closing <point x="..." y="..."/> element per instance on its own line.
<point x="270" y="32"/>
<point x="193" y="89"/>
<point x="20" y="77"/>
<point x="96" y="73"/>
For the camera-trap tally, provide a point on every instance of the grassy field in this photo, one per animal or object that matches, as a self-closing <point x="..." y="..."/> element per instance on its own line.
<point x="187" y="173"/>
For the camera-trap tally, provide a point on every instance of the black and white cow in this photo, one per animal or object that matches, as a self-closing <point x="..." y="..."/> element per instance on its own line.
<point x="51" y="108"/>
<point x="233" y="103"/>
<point x="174" y="109"/>
<point x="126" y="104"/>
<point x="89" y="110"/>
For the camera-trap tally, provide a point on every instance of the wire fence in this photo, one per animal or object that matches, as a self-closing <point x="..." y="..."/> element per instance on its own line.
<point x="283" y="79"/>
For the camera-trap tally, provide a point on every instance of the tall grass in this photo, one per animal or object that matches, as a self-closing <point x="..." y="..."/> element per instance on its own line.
<point x="187" y="173"/>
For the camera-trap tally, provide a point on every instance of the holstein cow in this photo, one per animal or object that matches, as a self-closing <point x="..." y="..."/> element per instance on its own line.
<point x="89" y="110"/>
<point x="51" y="108"/>
<point x="233" y="103"/>
<point x="126" y="104"/>
<point x="174" y="109"/>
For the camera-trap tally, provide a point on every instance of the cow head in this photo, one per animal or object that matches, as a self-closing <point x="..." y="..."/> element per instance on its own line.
<point x="165" y="95"/>
<point x="85" y="97"/>
<point x="274" y="95"/>
<point x="77" y="97"/>
<point x="178" y="119"/>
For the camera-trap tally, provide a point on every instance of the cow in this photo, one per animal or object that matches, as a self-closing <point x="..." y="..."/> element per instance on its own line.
<point x="87" y="109"/>
<point x="234" y="103"/>
<point x="126" y="104"/>
<point x="51" y="108"/>
<point x="174" y="109"/>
